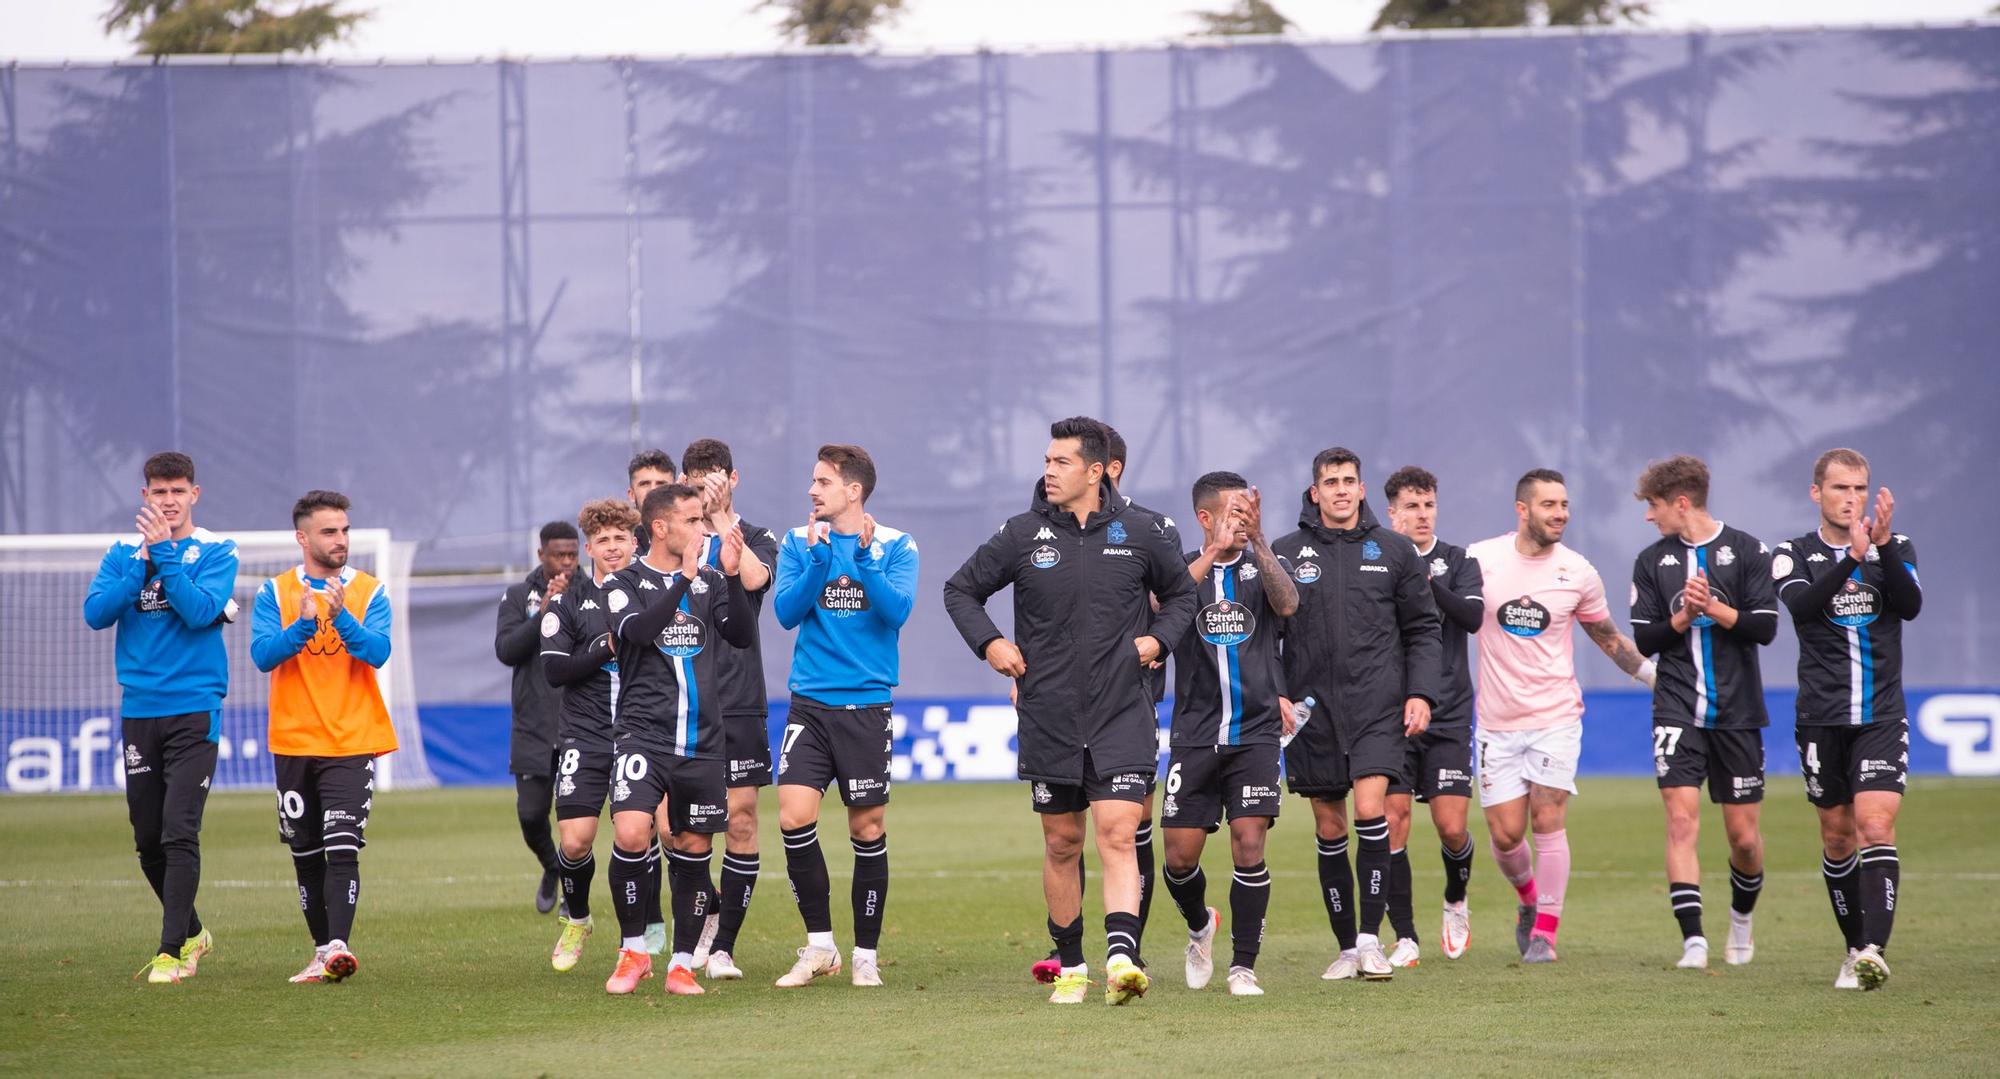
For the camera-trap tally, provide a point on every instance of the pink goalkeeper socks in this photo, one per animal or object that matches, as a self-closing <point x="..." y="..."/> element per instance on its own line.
<point x="1552" y="851"/>
<point x="1518" y="866"/>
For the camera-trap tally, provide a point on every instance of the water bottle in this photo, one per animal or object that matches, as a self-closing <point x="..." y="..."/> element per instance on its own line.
<point x="1301" y="711"/>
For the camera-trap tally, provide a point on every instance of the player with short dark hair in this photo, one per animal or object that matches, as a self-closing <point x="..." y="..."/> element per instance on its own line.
<point x="1047" y="969"/>
<point x="1364" y="645"/>
<point x="847" y="584"/>
<point x="708" y="466"/>
<point x="536" y="704"/>
<point x="1224" y="755"/>
<point x="322" y="630"/>
<point x="1703" y="603"/>
<point x="1529" y="709"/>
<point x="579" y="658"/>
<point x="169" y="595"/>
<point x="1084" y="565"/>
<point x="1850" y="584"/>
<point x="1437" y="764"/>
<point x="647" y="470"/>
<point x="668" y="775"/>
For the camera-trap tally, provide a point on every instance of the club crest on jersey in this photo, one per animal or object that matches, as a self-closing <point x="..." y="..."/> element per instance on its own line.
<point x="1225" y="623"/>
<point x="1115" y="533"/>
<point x="698" y="586"/>
<point x="1523" y="617"/>
<point x="550" y="624"/>
<point x="192" y="554"/>
<point x="843" y="595"/>
<point x="684" y="637"/>
<point x="1044" y="557"/>
<point x="1248" y="572"/>
<point x="1724" y="556"/>
<point x="1043" y="796"/>
<point x="1370" y="551"/>
<point x="1857" y="604"/>
<point x="1307" y="573"/>
<point x="1439" y="567"/>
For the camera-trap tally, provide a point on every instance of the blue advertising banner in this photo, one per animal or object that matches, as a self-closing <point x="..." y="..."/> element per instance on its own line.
<point x="1952" y="732"/>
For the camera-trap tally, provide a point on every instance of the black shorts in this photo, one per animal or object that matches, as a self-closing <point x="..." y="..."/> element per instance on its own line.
<point x="828" y="743"/>
<point x="1134" y="787"/>
<point x="1731" y="761"/>
<point x="1315" y="763"/>
<point x="747" y="743"/>
<point x="1207" y="783"/>
<point x="583" y="779"/>
<point x="323" y="802"/>
<point x="1374" y="749"/>
<point x="693" y="788"/>
<point x="1436" y="763"/>
<point x="1840" y="762"/>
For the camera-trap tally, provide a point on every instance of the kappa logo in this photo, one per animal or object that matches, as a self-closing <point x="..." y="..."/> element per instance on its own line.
<point x="591" y="604"/>
<point x="1044" y="534"/>
<point x="1115" y="533"/>
<point x="1669" y="560"/>
<point x="1370" y="551"/>
<point x="1308" y="552"/>
<point x="1815" y="557"/>
<point x="647" y="585"/>
<point x="204" y="780"/>
<point x="1724" y="556"/>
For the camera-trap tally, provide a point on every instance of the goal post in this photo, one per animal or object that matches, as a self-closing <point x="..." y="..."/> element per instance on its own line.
<point x="59" y="719"/>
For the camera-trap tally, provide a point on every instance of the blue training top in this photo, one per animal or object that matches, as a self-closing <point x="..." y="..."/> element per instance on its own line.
<point x="169" y="609"/>
<point x="849" y="607"/>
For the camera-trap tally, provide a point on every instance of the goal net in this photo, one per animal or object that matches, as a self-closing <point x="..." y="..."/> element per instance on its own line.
<point x="59" y="721"/>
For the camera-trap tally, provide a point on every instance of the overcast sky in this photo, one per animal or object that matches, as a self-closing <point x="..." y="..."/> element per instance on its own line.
<point x="401" y="29"/>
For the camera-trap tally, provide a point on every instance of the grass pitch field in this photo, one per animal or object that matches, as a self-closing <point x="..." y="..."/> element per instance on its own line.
<point x="455" y="976"/>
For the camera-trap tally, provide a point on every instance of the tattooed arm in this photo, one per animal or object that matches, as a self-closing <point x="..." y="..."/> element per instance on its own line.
<point x="1621" y="649"/>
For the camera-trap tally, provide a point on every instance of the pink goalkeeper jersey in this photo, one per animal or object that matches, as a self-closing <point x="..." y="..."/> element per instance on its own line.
<point x="1527" y="669"/>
